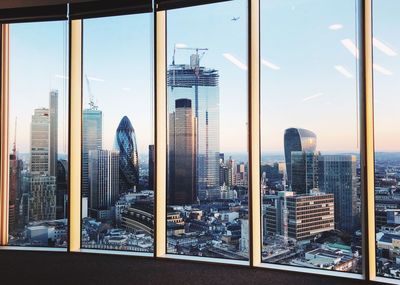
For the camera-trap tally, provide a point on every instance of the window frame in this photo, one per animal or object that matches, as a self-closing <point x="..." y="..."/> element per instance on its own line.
<point x="364" y="81"/>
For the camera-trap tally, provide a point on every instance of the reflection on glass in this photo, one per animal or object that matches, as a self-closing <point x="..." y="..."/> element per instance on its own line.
<point x="310" y="176"/>
<point x="386" y="45"/>
<point x="38" y="125"/>
<point x="207" y="190"/>
<point x="117" y="150"/>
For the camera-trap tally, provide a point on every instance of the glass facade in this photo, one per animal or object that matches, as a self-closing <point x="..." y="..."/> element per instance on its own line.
<point x="207" y="175"/>
<point x="310" y="184"/>
<point x="117" y="134"/>
<point x="38" y="110"/>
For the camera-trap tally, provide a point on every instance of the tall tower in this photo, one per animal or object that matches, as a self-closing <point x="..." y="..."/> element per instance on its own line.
<point x="91" y="140"/>
<point x="297" y="140"/>
<point x="304" y="166"/>
<point x="39" y="162"/>
<point x="200" y="85"/>
<point x="125" y="144"/>
<point x="338" y="176"/>
<point x="53" y="132"/>
<point x="104" y="184"/>
<point x="14" y="187"/>
<point x="182" y="154"/>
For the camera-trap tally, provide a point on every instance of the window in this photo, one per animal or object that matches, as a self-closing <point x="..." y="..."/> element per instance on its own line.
<point x="117" y="134"/>
<point x="387" y="159"/>
<point x="207" y="181"/>
<point x="38" y="141"/>
<point x="310" y="175"/>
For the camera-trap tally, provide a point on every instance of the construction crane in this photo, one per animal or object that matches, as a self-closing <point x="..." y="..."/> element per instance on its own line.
<point x="92" y="105"/>
<point x="198" y="57"/>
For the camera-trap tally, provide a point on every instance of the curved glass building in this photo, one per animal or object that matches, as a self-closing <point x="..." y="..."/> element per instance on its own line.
<point x="125" y="143"/>
<point x="296" y="139"/>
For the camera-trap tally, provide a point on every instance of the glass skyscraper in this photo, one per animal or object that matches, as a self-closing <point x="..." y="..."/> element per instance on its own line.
<point x="200" y="85"/>
<point x="338" y="176"/>
<point x="125" y="143"/>
<point x="182" y="154"/>
<point x="296" y="139"/>
<point x="91" y="140"/>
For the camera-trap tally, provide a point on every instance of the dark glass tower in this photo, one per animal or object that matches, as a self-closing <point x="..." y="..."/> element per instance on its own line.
<point x="297" y="140"/>
<point x="125" y="143"/>
<point x="182" y="154"/>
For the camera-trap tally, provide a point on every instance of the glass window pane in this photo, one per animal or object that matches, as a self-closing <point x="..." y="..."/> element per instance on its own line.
<point x="117" y="136"/>
<point x="207" y="196"/>
<point x="386" y="43"/>
<point x="38" y="123"/>
<point x="309" y="128"/>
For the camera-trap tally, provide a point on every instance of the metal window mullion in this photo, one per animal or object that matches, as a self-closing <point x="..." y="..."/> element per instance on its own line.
<point x="75" y="134"/>
<point x="160" y="118"/>
<point x="255" y="214"/>
<point x="4" y="150"/>
<point x="365" y="81"/>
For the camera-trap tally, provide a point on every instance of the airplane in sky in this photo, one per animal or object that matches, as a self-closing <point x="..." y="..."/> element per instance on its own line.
<point x="235" y="18"/>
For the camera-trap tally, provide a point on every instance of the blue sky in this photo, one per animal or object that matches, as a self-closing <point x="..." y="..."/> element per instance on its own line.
<point x="308" y="71"/>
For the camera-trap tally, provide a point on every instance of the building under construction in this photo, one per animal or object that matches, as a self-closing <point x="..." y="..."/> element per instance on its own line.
<point x="200" y="85"/>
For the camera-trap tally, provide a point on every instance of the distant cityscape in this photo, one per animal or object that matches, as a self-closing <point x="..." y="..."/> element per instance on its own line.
<point x="311" y="210"/>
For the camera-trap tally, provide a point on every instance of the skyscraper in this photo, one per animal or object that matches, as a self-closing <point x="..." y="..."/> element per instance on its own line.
<point x="296" y="139"/>
<point x="42" y="186"/>
<point x="39" y="162"/>
<point x="125" y="144"/>
<point x="200" y="85"/>
<point x="104" y="184"/>
<point x="14" y="189"/>
<point x="152" y="157"/>
<point x="91" y="140"/>
<point x="304" y="168"/>
<point x="182" y="154"/>
<point x="338" y="176"/>
<point x="53" y="139"/>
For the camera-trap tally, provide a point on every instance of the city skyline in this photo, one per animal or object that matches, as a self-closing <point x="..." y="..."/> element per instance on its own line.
<point x="101" y="84"/>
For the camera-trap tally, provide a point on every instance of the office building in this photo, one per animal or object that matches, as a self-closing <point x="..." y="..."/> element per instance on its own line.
<point x="104" y="182"/>
<point x="39" y="161"/>
<point x="92" y="128"/>
<point x="338" y="176"/>
<point x="152" y="157"/>
<point x="300" y="217"/>
<point x="296" y="139"/>
<point x="125" y="144"/>
<point x="182" y="154"/>
<point x="53" y="138"/>
<point x="304" y="169"/>
<point x="42" y="198"/>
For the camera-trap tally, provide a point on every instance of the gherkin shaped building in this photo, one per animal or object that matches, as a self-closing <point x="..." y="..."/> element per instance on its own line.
<point x="125" y="143"/>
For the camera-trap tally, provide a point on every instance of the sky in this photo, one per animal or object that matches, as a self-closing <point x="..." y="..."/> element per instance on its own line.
<point x="308" y="71"/>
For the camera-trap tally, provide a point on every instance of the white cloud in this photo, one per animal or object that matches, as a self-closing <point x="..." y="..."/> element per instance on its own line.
<point x="351" y="47"/>
<point x="343" y="71"/>
<point x="319" y="94"/>
<point x="383" y="47"/>
<point x="269" y="64"/>
<point x="382" y="70"/>
<point x="127" y="89"/>
<point x="335" y="27"/>
<point x="235" y="61"/>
